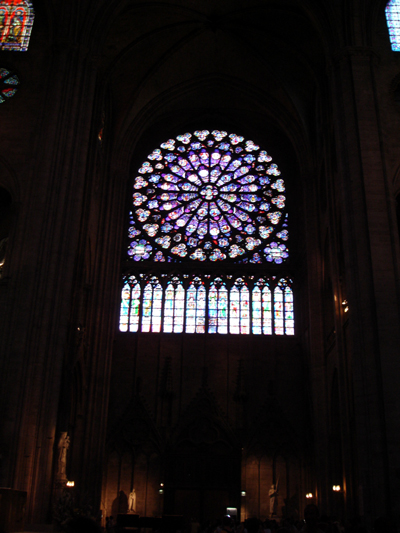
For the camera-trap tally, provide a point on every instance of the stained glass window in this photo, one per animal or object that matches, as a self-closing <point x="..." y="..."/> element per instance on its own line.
<point x="196" y="307"/>
<point x="8" y="84"/>
<point x="262" y="308"/>
<point x="174" y="307"/>
<point x="218" y="307"/>
<point x="244" y="305"/>
<point x="393" y="22"/>
<point x="239" y="311"/>
<point x="16" y="21"/>
<point x="152" y="306"/>
<point x="130" y="304"/>
<point x="209" y="196"/>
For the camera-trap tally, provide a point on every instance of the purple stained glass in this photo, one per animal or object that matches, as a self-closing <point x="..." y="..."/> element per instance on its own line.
<point x="204" y="186"/>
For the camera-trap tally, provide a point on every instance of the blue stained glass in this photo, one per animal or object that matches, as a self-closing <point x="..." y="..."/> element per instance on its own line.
<point x="201" y="134"/>
<point x="159" y="257"/>
<point x="224" y="146"/>
<point x="169" y="145"/>
<point x="244" y="217"/>
<point x="193" y="205"/>
<point x="167" y="227"/>
<point x="170" y="157"/>
<point x="224" y="162"/>
<point x="392" y="12"/>
<point x="195" y="146"/>
<point x="185" y="139"/>
<point x="248" y="207"/>
<point x="284" y="235"/>
<point x="194" y="160"/>
<point x="12" y="81"/>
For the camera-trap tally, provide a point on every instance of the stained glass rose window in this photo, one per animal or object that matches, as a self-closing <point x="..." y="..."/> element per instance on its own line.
<point x="209" y="196"/>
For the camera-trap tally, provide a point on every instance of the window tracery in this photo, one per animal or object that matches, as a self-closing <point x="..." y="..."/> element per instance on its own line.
<point x="242" y="305"/>
<point x="392" y="12"/>
<point x="202" y="199"/>
<point x="8" y="84"/>
<point x="16" y="21"/>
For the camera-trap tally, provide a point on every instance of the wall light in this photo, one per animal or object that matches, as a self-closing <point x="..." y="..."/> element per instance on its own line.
<point x="345" y="306"/>
<point x="243" y="493"/>
<point x="336" y="488"/>
<point x="70" y="483"/>
<point x="309" y="495"/>
<point x="161" y="491"/>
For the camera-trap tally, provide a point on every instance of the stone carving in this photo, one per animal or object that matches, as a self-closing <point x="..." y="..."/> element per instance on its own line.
<point x="63" y="445"/>
<point x="132" y="501"/>
<point x="273" y="500"/>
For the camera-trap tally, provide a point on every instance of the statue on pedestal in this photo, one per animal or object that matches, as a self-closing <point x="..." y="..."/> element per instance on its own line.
<point x="63" y="445"/>
<point x="132" y="501"/>
<point x="273" y="500"/>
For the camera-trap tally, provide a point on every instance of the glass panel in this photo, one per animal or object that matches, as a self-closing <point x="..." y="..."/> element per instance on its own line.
<point x="234" y="311"/>
<point x="169" y="308"/>
<point x="223" y="310"/>
<point x="278" y="311"/>
<point x="179" y="309"/>
<point x="289" y="316"/>
<point x="135" y="305"/>
<point x="147" y="305"/>
<point x="201" y="310"/>
<point x="157" y="305"/>
<point x="124" y="311"/>
<point x="191" y="309"/>
<point x="267" y="311"/>
<point x="212" y="309"/>
<point x="256" y="309"/>
<point x="393" y="22"/>
<point x="16" y="20"/>
<point x="244" y="311"/>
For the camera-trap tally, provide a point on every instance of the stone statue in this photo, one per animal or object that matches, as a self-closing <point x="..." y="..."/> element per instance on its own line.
<point x="273" y="500"/>
<point x="132" y="501"/>
<point x="63" y="446"/>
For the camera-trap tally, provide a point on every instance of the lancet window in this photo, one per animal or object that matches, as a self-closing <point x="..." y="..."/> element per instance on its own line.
<point x="244" y="305"/>
<point x="16" y="21"/>
<point x="392" y="12"/>
<point x="207" y="198"/>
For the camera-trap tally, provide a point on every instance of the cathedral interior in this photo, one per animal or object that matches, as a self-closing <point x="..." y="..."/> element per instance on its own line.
<point x="200" y="329"/>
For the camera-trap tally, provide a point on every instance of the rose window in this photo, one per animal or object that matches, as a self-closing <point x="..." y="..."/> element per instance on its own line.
<point x="209" y="196"/>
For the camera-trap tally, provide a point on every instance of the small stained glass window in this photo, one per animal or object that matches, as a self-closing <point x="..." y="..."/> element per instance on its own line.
<point x="16" y="21"/>
<point x="9" y="83"/>
<point x="174" y="307"/>
<point x="196" y="307"/>
<point x="393" y="22"/>
<point x="239" y="312"/>
<point x="152" y="306"/>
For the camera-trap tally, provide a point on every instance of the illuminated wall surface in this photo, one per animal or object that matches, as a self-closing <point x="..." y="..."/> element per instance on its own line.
<point x="16" y="20"/>
<point x="393" y="22"/>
